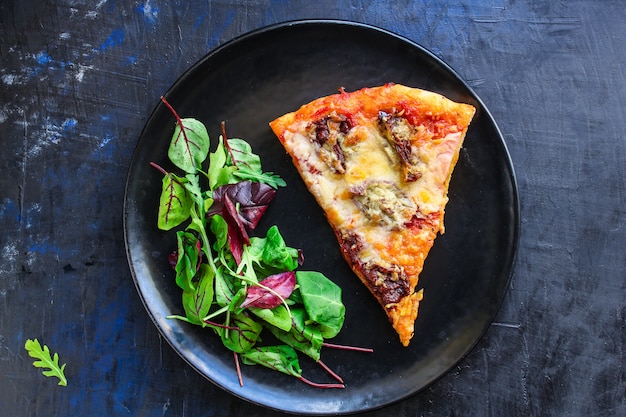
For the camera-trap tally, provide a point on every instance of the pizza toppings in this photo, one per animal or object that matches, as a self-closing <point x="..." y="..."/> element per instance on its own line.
<point x="378" y="161"/>
<point x="328" y="133"/>
<point x="399" y="133"/>
<point x="383" y="203"/>
<point x="389" y="282"/>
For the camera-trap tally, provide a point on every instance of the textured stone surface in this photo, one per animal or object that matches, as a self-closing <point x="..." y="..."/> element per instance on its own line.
<point x="78" y="80"/>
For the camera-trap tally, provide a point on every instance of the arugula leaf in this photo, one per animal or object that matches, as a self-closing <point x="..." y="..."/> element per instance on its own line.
<point x="35" y="350"/>
<point x="249" y="164"/>
<point x="233" y="161"/>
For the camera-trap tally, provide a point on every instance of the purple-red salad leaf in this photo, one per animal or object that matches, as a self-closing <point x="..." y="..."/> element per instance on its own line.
<point x="272" y="291"/>
<point x="252" y="199"/>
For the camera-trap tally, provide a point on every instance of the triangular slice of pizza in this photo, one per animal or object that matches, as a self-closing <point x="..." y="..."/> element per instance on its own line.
<point x="379" y="161"/>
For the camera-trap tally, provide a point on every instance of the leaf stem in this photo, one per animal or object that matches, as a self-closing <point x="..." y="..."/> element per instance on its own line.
<point x="230" y="151"/>
<point x="215" y="314"/>
<point x="318" y="385"/>
<point x="343" y="347"/>
<point x="330" y="371"/>
<point x="239" y="376"/>
<point x="157" y="166"/>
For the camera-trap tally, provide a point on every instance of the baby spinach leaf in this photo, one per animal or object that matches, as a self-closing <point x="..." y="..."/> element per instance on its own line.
<point x="322" y="300"/>
<point x="197" y="303"/>
<point x="190" y="145"/>
<point x="44" y="360"/>
<point x="278" y="316"/>
<point x="271" y="253"/>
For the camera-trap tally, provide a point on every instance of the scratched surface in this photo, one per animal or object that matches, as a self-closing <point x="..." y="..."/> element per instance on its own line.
<point x="78" y="79"/>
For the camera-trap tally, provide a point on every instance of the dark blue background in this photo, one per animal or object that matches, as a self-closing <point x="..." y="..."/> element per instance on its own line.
<point x="78" y="80"/>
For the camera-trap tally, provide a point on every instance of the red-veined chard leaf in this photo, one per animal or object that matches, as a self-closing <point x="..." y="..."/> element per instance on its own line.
<point x="302" y="336"/>
<point x="190" y="145"/>
<point x="245" y="335"/>
<point x="175" y="201"/>
<point x="281" y="358"/>
<point x="189" y="258"/>
<point x="322" y="300"/>
<point x="197" y="303"/>
<point x="271" y="292"/>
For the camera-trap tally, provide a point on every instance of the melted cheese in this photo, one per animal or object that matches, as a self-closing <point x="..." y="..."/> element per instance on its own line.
<point x="368" y="159"/>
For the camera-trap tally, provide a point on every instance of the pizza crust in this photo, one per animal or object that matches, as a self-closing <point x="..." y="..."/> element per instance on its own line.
<point x="379" y="161"/>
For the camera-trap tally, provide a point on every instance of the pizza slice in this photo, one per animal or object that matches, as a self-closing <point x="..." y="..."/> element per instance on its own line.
<point x="379" y="161"/>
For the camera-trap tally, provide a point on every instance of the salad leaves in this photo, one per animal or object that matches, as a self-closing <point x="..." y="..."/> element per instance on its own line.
<point x="241" y="286"/>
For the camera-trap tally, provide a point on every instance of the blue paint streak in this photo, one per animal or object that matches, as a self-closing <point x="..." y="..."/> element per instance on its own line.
<point x="115" y="38"/>
<point x="199" y="20"/>
<point x="106" y="148"/>
<point x="149" y="13"/>
<point x="69" y="124"/>
<point x="43" y="248"/>
<point x="10" y="210"/>
<point x="43" y="58"/>
<point x="43" y="61"/>
<point x="227" y="20"/>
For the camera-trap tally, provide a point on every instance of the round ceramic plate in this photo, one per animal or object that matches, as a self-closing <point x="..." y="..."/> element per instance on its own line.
<point x="252" y="80"/>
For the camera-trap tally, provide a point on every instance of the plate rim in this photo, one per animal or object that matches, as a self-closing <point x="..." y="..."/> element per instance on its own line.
<point x="508" y="266"/>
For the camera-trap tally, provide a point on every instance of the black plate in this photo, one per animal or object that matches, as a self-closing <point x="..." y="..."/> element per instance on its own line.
<point x="259" y="76"/>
